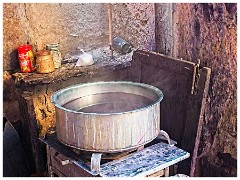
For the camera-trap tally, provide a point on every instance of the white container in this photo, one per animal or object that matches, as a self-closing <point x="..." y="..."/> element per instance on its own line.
<point x="85" y="59"/>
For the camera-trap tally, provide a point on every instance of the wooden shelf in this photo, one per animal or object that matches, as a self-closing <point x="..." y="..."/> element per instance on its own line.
<point x="103" y="63"/>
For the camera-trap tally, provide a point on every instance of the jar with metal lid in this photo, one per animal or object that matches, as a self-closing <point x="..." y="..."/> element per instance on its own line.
<point x="55" y="53"/>
<point x="44" y="62"/>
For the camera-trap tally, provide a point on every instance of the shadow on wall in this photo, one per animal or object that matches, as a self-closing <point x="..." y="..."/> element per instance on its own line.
<point x="14" y="60"/>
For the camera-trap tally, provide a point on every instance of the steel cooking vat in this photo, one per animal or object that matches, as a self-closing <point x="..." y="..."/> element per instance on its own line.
<point x="107" y="116"/>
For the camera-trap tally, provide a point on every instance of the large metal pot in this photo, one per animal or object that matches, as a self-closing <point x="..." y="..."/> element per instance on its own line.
<point x="107" y="116"/>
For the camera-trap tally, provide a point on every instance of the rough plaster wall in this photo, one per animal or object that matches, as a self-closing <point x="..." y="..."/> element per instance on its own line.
<point x="74" y="26"/>
<point x="164" y="29"/>
<point x="208" y="32"/>
<point x="219" y="35"/>
<point x="135" y="22"/>
<point x="13" y="35"/>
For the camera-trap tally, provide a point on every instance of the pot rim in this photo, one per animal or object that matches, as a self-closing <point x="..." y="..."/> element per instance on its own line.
<point x="155" y="89"/>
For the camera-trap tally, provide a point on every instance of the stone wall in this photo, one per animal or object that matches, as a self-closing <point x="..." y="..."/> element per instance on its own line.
<point x="208" y="32"/>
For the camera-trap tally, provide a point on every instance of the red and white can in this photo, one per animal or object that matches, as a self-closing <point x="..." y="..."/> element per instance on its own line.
<point x="26" y="58"/>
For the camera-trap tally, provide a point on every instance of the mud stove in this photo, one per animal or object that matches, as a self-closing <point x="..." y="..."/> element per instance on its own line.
<point x="153" y="159"/>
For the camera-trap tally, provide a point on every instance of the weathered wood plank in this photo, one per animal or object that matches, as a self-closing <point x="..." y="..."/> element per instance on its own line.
<point x="174" y="78"/>
<point x="181" y="112"/>
<point x="134" y="71"/>
<point x="70" y="170"/>
<point x="162" y="61"/>
<point x="35" y="148"/>
<point x="55" y="172"/>
<point x="49" y="164"/>
<point x="194" y="121"/>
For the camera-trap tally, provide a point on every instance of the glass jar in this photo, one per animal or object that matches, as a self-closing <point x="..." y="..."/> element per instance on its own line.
<point x="56" y="54"/>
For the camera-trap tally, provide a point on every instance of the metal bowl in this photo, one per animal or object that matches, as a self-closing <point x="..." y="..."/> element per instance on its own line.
<point x="107" y="116"/>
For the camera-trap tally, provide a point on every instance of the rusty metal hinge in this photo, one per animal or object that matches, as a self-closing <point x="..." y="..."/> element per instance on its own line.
<point x="196" y="76"/>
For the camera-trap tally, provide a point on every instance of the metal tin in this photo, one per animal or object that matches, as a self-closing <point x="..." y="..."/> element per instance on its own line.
<point x="55" y="53"/>
<point x="121" y="45"/>
<point x="109" y="131"/>
<point x="26" y="58"/>
<point x="44" y="62"/>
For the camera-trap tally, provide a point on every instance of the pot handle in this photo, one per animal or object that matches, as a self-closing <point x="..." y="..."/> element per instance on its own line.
<point x="170" y="142"/>
<point x="165" y="134"/>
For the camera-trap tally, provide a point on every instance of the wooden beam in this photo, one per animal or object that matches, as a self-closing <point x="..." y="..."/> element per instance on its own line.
<point x="194" y="121"/>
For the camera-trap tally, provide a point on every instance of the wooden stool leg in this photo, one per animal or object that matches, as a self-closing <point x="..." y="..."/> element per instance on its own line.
<point x="50" y="172"/>
<point x="166" y="172"/>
